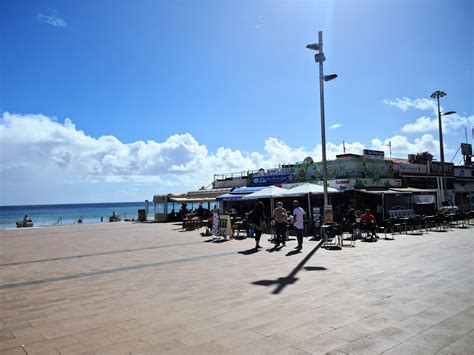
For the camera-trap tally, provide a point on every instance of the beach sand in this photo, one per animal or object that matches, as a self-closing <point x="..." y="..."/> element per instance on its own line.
<point x="121" y="288"/>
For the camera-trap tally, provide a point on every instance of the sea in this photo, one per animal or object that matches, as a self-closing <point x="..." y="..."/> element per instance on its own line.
<point x="52" y="215"/>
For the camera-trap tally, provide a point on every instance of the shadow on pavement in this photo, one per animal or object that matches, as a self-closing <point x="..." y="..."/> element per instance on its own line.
<point x="248" y="251"/>
<point x="282" y="282"/>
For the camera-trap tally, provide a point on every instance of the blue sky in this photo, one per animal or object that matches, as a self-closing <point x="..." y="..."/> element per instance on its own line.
<point x="218" y="86"/>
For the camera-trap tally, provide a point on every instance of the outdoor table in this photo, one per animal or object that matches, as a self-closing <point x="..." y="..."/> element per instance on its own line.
<point x="190" y="224"/>
<point x="336" y="238"/>
<point x="403" y="222"/>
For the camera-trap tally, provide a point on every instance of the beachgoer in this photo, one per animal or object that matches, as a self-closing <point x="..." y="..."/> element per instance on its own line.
<point x="299" y="215"/>
<point x="200" y="212"/>
<point x="26" y="220"/>
<point x="369" y="218"/>
<point x="280" y="217"/>
<point x="257" y="218"/>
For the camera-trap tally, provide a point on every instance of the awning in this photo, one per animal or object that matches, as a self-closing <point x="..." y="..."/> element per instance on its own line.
<point x="230" y="197"/>
<point x="413" y="190"/>
<point x="246" y="190"/>
<point x="424" y="199"/>
<point x="191" y="200"/>
<point x="237" y="193"/>
<point x="383" y="192"/>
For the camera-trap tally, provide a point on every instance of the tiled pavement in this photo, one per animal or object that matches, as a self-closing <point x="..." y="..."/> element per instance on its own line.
<point x="150" y="288"/>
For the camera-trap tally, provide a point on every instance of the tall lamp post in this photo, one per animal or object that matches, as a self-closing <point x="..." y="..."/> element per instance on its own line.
<point x="436" y="95"/>
<point x="320" y="58"/>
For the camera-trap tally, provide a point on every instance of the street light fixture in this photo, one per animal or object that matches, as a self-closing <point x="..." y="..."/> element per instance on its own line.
<point x="320" y="58"/>
<point x="436" y="95"/>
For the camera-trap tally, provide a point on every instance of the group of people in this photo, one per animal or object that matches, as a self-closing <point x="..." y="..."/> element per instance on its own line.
<point x="368" y="219"/>
<point x="281" y="218"/>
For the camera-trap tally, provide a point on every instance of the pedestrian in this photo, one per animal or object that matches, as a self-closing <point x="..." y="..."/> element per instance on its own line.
<point x="299" y="215"/>
<point x="280" y="217"/>
<point x="257" y="218"/>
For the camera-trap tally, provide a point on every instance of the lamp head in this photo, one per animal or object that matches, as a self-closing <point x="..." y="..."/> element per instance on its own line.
<point x="448" y="113"/>
<point x="438" y="94"/>
<point x="329" y="77"/>
<point x="314" y="46"/>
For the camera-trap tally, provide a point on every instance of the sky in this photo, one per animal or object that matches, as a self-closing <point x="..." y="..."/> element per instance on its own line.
<point x="108" y="101"/>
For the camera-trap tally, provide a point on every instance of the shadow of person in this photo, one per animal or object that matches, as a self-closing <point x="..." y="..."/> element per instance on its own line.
<point x="314" y="268"/>
<point x="274" y="249"/>
<point x="293" y="252"/>
<point x="248" y="251"/>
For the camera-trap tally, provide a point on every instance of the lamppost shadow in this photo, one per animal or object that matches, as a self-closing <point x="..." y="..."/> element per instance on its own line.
<point x="291" y="278"/>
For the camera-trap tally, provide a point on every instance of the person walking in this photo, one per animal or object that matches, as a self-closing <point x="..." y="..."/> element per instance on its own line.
<point x="299" y="215"/>
<point x="280" y="217"/>
<point x="257" y="218"/>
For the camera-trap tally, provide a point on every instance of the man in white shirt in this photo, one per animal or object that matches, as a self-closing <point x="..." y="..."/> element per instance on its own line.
<point x="298" y="222"/>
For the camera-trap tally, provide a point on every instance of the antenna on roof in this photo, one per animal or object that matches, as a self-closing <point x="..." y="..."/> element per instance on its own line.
<point x="390" y="146"/>
<point x="344" y="146"/>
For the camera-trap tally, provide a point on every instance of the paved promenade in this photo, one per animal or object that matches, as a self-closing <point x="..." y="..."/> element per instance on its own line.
<point x="151" y="288"/>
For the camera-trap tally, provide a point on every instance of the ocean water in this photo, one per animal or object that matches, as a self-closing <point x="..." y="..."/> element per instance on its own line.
<point x="48" y="215"/>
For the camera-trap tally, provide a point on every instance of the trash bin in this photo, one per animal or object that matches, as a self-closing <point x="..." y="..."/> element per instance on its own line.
<point x="142" y="215"/>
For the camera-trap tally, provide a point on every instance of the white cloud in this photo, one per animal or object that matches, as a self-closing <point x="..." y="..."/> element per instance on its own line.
<point x="43" y="160"/>
<point x="405" y="103"/>
<point x="422" y="124"/>
<point x="450" y="123"/>
<point x="428" y="124"/>
<point x="401" y="146"/>
<point x="52" y="18"/>
<point x="259" y="24"/>
<point x="335" y="126"/>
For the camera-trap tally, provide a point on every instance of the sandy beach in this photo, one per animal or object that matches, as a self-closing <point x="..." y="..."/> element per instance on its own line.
<point x="123" y="288"/>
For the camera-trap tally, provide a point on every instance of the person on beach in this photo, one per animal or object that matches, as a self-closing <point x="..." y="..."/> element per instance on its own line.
<point x="280" y="217"/>
<point x="200" y="212"/>
<point x="298" y="215"/>
<point x="257" y="218"/>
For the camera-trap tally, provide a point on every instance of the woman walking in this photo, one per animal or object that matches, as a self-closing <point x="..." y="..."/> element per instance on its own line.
<point x="257" y="218"/>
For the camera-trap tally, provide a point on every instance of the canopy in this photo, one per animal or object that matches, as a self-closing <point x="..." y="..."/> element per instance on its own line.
<point x="384" y="192"/>
<point x="237" y="193"/>
<point x="230" y="197"/>
<point x="413" y="189"/>
<point x="267" y="192"/>
<point x="308" y="189"/>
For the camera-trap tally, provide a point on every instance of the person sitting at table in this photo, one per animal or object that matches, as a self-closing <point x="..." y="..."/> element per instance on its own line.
<point x="369" y="218"/>
<point x="351" y="216"/>
<point x="200" y="212"/>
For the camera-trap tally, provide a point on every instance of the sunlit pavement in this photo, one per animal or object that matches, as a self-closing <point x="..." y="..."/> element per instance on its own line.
<point x="124" y="288"/>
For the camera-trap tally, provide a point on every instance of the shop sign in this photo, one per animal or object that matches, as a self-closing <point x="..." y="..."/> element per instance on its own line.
<point x="267" y="180"/>
<point x="373" y="154"/>
<point x="466" y="149"/>
<point x="437" y="170"/>
<point x="234" y="182"/>
<point x="413" y="169"/>
<point x="353" y="167"/>
<point x="463" y="172"/>
<point x="350" y="184"/>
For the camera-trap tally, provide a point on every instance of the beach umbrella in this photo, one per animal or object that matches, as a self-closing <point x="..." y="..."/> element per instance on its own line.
<point x="308" y="189"/>
<point x="268" y="192"/>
